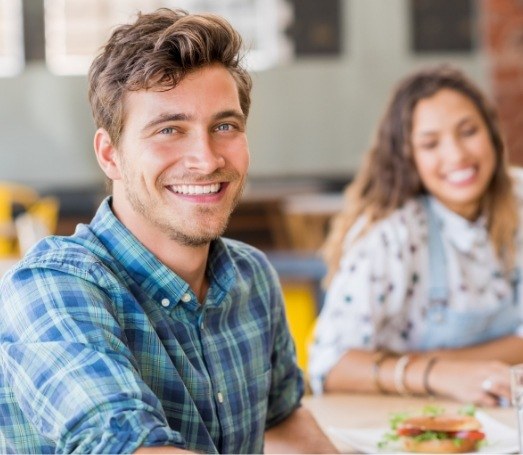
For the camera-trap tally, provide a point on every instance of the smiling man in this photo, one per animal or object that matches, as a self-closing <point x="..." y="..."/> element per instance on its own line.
<point x="145" y="331"/>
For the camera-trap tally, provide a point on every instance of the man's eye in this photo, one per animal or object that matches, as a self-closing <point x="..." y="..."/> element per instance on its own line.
<point x="168" y="130"/>
<point x="225" y="127"/>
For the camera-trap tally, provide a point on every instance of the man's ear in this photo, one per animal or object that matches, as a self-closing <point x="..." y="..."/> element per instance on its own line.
<point x="106" y="154"/>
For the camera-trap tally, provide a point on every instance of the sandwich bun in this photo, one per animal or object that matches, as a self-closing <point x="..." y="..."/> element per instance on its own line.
<point x="439" y="446"/>
<point x="443" y="423"/>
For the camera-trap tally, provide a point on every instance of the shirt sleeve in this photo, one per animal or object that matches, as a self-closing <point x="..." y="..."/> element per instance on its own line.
<point x="370" y="286"/>
<point x="287" y="384"/>
<point x="64" y="356"/>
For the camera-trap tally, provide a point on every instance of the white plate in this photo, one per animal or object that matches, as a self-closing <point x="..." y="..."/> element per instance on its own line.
<point x="500" y="438"/>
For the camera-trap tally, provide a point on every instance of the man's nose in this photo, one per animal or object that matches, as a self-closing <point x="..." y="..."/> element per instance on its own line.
<point x="203" y="156"/>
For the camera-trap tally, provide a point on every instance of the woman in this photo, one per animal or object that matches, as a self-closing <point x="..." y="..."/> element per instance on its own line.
<point x="423" y="261"/>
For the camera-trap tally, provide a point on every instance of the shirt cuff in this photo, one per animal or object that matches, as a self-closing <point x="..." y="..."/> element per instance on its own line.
<point x="124" y="433"/>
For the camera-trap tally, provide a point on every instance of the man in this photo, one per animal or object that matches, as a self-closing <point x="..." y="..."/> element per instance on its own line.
<point x="146" y="331"/>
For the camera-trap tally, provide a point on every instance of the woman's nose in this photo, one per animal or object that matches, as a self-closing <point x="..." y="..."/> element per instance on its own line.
<point x="454" y="149"/>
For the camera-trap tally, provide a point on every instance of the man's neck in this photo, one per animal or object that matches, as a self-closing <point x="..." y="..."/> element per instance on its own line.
<point x="190" y="263"/>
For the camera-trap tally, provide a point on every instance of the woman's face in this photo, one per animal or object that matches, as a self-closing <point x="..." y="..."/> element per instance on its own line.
<point x="452" y="151"/>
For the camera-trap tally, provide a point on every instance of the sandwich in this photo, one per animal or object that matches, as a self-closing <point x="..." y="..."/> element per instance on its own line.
<point x="444" y="433"/>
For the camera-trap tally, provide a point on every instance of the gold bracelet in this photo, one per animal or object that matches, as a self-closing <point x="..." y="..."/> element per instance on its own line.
<point x="381" y="356"/>
<point x="426" y="373"/>
<point x="399" y="375"/>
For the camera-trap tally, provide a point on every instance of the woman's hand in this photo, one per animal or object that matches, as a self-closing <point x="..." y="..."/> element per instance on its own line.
<point x="482" y="382"/>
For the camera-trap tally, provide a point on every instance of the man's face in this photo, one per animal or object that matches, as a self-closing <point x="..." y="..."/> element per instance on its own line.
<point x="182" y="160"/>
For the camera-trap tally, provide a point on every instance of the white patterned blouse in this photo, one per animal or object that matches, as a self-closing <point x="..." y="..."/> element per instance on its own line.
<point x="380" y="296"/>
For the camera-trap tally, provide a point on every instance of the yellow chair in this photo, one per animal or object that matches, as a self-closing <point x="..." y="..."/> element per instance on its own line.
<point x="17" y="233"/>
<point x="46" y="210"/>
<point x="6" y="227"/>
<point x="300" y="274"/>
<point x="301" y="309"/>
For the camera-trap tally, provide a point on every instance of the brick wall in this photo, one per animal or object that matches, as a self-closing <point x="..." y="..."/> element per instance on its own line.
<point x="502" y="25"/>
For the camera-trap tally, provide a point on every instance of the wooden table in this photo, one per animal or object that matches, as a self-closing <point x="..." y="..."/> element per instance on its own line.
<point x="373" y="411"/>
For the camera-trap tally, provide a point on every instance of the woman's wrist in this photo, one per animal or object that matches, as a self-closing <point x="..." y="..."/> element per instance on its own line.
<point x="414" y="376"/>
<point x="386" y="374"/>
<point x="408" y="374"/>
<point x="379" y="359"/>
<point x="435" y="376"/>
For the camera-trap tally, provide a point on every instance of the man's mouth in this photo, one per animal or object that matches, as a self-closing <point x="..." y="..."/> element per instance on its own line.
<point x="191" y="190"/>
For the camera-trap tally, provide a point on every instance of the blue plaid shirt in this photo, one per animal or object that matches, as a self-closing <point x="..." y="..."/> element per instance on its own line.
<point x="104" y="349"/>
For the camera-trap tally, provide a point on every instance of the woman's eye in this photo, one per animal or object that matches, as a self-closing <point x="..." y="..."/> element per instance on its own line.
<point x="469" y="131"/>
<point x="428" y="145"/>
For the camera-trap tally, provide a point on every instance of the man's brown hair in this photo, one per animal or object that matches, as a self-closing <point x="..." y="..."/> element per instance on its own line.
<point x="158" y="50"/>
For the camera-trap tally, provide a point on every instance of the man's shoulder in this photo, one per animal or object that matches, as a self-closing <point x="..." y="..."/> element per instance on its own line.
<point x="74" y="254"/>
<point x="250" y="261"/>
<point x="239" y="250"/>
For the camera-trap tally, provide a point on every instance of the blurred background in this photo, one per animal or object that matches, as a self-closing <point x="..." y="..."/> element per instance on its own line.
<point x="322" y="71"/>
<point x="322" y="74"/>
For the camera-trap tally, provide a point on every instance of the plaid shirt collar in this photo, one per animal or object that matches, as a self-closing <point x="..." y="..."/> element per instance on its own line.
<point x="144" y="269"/>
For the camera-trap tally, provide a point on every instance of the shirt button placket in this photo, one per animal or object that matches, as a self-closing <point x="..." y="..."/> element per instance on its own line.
<point x="200" y="320"/>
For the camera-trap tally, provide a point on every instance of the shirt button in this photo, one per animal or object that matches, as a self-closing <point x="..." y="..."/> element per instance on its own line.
<point x="165" y="302"/>
<point x="186" y="297"/>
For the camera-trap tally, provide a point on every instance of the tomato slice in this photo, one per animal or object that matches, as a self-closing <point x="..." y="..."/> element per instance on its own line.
<point x="402" y="431"/>
<point x="473" y="435"/>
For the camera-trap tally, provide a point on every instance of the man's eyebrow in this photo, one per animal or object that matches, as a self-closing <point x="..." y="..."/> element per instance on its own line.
<point x="238" y="115"/>
<point x="162" y="118"/>
<point x="167" y="117"/>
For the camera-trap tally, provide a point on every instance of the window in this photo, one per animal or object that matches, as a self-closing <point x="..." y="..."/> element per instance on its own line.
<point x="75" y="29"/>
<point x="11" y="37"/>
<point x="262" y="24"/>
<point x="442" y="25"/>
<point x="317" y="28"/>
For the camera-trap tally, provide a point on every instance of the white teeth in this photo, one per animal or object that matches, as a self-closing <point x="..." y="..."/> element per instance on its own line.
<point x="196" y="189"/>
<point x="461" y="175"/>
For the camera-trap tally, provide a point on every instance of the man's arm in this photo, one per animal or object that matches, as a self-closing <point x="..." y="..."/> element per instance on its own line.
<point x="161" y="450"/>
<point x="64" y="356"/>
<point x="298" y="433"/>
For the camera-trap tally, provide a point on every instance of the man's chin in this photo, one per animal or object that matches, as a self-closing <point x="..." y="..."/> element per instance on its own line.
<point x="199" y="238"/>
